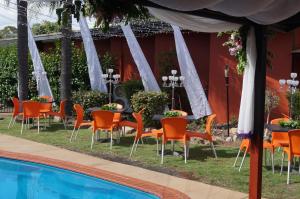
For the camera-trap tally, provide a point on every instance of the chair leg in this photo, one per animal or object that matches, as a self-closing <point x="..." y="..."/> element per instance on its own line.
<point x="22" y="126"/>
<point x="72" y="134"/>
<point x="272" y="161"/>
<point x="288" y="175"/>
<point x="142" y="140"/>
<point x="77" y="132"/>
<point x="38" y="125"/>
<point x="185" y="152"/>
<point x="111" y="139"/>
<point x="92" y="142"/>
<point x="133" y="146"/>
<point x="299" y="164"/>
<point x="11" y="120"/>
<point x="237" y="158"/>
<point x="157" y="150"/>
<point x="245" y="153"/>
<point x="136" y="144"/>
<point x="188" y="149"/>
<point x="213" y="149"/>
<point x="282" y="158"/>
<point x="162" y="153"/>
<point x="14" y="121"/>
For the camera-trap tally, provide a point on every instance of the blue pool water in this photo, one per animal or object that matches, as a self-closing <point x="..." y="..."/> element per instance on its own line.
<point x="26" y="180"/>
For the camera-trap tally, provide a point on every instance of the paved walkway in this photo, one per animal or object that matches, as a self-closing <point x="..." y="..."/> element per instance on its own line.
<point x="196" y="190"/>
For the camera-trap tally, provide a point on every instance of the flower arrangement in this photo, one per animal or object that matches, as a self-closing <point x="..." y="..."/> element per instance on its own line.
<point x="172" y="114"/>
<point x="38" y="99"/>
<point x="292" y="124"/>
<point x="236" y="44"/>
<point x="109" y="107"/>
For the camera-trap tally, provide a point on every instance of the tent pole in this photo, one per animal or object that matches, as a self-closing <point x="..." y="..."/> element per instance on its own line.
<point x="256" y="149"/>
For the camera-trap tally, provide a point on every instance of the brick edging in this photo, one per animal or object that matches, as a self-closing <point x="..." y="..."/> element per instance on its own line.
<point x="159" y="190"/>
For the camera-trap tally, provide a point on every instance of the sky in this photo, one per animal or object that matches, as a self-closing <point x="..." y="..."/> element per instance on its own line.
<point x="8" y="15"/>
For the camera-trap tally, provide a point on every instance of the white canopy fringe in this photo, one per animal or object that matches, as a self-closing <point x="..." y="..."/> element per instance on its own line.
<point x="192" y="84"/>
<point x="94" y="66"/>
<point x="148" y="79"/>
<point x="39" y="71"/>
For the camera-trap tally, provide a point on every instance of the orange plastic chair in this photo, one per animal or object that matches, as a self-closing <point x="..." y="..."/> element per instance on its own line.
<point x="293" y="150"/>
<point x="103" y="120"/>
<point x="279" y="139"/>
<point x="31" y="110"/>
<point x="79" y="122"/>
<point x="269" y="146"/>
<point x="207" y="135"/>
<point x="140" y="133"/>
<point x="16" y="111"/>
<point x="174" y="128"/>
<point x="61" y="113"/>
<point x="245" y="145"/>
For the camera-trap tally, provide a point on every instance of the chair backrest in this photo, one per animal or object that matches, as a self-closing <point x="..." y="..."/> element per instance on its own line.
<point x="16" y="104"/>
<point x="47" y="105"/>
<point x="79" y="114"/>
<point x="279" y="136"/>
<point x="62" y="107"/>
<point x="140" y="124"/>
<point x="209" y="123"/>
<point x="31" y="109"/>
<point x="245" y="144"/>
<point x="174" y="127"/>
<point x="294" y="141"/>
<point x="102" y="119"/>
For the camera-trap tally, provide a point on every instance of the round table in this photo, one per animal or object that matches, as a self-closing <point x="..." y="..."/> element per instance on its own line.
<point x="277" y="128"/>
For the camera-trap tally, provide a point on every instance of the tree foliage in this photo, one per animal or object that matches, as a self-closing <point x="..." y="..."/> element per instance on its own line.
<point x="8" y="32"/>
<point x="46" y="27"/>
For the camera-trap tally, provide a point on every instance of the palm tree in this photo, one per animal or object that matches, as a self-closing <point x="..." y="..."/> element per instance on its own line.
<point x="66" y="68"/>
<point x="22" y="46"/>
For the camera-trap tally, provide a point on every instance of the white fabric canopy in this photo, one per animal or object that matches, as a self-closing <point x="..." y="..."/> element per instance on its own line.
<point x="191" y="22"/>
<point x="262" y="11"/>
<point x="192" y="83"/>
<point x="94" y="67"/>
<point x="39" y="71"/>
<point x="246" y="115"/>
<point x="148" y="79"/>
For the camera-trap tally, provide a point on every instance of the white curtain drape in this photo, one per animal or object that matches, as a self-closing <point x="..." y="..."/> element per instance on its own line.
<point x="94" y="66"/>
<point x="148" y="79"/>
<point x="246" y="115"/>
<point x="39" y="71"/>
<point x="262" y="11"/>
<point x="192" y="84"/>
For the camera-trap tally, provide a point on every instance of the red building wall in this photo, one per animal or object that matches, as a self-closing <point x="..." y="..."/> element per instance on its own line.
<point x="210" y="58"/>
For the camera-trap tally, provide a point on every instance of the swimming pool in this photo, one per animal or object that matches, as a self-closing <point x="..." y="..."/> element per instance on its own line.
<point x="22" y="180"/>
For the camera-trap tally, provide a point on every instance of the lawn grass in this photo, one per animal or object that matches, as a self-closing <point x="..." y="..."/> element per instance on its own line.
<point x="201" y="166"/>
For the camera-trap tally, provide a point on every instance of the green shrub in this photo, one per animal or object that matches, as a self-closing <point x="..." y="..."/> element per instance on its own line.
<point x="89" y="99"/>
<point x="109" y="107"/>
<point x="295" y="108"/>
<point x="132" y="86"/>
<point x="153" y="102"/>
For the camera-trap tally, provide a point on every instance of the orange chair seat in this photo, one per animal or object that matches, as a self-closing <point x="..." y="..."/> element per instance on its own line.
<point x="128" y="123"/>
<point x="157" y="133"/>
<point x="54" y="114"/>
<point x="199" y="135"/>
<point x="86" y="123"/>
<point x="280" y="143"/>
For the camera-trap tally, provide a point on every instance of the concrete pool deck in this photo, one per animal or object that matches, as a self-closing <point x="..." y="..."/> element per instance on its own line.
<point x="194" y="189"/>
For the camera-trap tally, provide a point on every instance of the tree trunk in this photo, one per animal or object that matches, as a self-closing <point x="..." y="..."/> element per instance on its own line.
<point x="66" y="68"/>
<point x="22" y="46"/>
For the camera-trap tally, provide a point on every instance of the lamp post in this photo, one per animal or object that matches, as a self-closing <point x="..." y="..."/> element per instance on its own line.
<point x="292" y="84"/>
<point x="111" y="79"/>
<point x="174" y="81"/>
<point x="226" y="71"/>
<point x="38" y="75"/>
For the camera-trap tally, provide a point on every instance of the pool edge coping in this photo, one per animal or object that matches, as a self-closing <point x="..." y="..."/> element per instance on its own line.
<point x="161" y="191"/>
